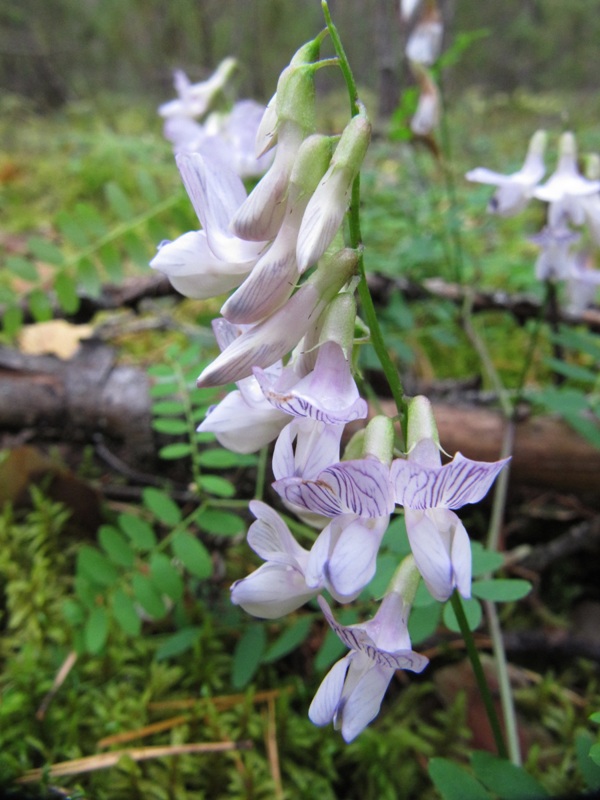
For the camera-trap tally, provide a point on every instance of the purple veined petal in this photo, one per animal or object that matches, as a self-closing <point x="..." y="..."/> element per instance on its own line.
<point x="261" y="214"/>
<point x="268" y="341"/>
<point x="357" y="637"/>
<point x="454" y="485"/>
<point x="364" y="702"/>
<point x="326" y="701"/>
<point x="353" y="560"/>
<point x="243" y="427"/>
<point x="359" y="487"/>
<point x="466" y="481"/>
<point x="271" y="591"/>
<point x="270" y="283"/>
<point x="271" y="538"/>
<point x="216" y="193"/>
<point x="431" y="551"/>
<point x="323" y="216"/>
<point x="328" y="393"/>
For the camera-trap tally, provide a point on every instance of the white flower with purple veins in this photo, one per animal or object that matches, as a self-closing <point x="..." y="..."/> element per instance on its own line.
<point x="514" y="191"/>
<point x="292" y="575"/>
<point x="555" y="259"/>
<point x="327" y="394"/>
<point x="357" y="496"/>
<point x="211" y="261"/>
<point x="429" y="491"/>
<point x="350" y="695"/>
<point x="566" y="189"/>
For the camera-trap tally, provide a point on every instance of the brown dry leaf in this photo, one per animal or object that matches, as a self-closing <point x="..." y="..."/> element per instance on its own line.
<point x="55" y="337"/>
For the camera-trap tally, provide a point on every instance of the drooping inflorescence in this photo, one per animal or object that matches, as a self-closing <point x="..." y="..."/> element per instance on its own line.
<point x="286" y="336"/>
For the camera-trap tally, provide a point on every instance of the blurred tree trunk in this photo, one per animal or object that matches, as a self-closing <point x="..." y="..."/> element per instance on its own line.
<point x="389" y="46"/>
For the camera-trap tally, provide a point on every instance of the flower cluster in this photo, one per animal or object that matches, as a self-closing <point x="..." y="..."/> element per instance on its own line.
<point x="286" y="336"/>
<point x="573" y="201"/>
<point x="199" y="120"/>
<point x="423" y="48"/>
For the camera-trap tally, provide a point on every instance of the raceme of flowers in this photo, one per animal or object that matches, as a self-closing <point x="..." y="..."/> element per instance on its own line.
<point x="286" y="337"/>
<point x="573" y="202"/>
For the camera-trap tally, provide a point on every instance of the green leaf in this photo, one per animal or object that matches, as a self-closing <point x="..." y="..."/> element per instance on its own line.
<point x="289" y="640"/>
<point x="423" y="622"/>
<point x="139" y="531"/>
<point x="501" y="590"/>
<point x="96" y="567"/>
<point x="595" y="753"/>
<point x="165" y="407"/>
<point x="118" y="201"/>
<point x="12" y="320"/>
<point x="454" y="782"/>
<point x="112" y="262"/>
<point x="585" y="427"/>
<point x="193" y="554"/>
<point x="247" y="655"/>
<point x="137" y="250"/>
<point x="45" y="251"/>
<point x="386" y="565"/>
<point x="40" y="305"/>
<point x="89" y="277"/>
<point x="116" y="546"/>
<point x="217" y="458"/>
<point x="148" y="596"/>
<point x="124" y="612"/>
<point x="220" y="523"/>
<point x="22" y="267"/>
<point x="331" y="649"/>
<point x="173" y="451"/>
<point x="95" y="631"/>
<point x="213" y="484"/>
<point x="73" y="612"/>
<point x="66" y="292"/>
<point x="161" y="505"/>
<point x="595" y="717"/>
<point x="473" y="613"/>
<point x="579" y="341"/>
<point x="573" y="371"/>
<point x="178" y="643"/>
<point x="174" y="427"/>
<point x="485" y="560"/>
<point x="165" y="576"/>
<point x="71" y="229"/>
<point x="589" y="767"/>
<point x="506" y="780"/>
<point x="148" y="187"/>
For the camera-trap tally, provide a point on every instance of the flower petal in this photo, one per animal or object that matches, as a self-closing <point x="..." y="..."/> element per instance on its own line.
<point x="363" y="704"/>
<point x="324" y="705"/>
<point x="243" y="427"/>
<point x="271" y="591"/>
<point x="271" y="539"/>
<point x="431" y="552"/>
<point x="353" y="559"/>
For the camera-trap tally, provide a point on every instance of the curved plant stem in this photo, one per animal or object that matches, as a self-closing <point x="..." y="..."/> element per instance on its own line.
<point x="482" y="683"/>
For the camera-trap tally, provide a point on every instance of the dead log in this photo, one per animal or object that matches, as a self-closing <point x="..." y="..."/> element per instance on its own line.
<point x="46" y="398"/>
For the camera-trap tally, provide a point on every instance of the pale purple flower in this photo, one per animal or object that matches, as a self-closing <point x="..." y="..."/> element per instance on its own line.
<point x="350" y="696"/>
<point x="292" y="575"/>
<point x="195" y="99"/>
<point x="427" y="114"/>
<point x="327" y="394"/>
<point x="583" y="282"/>
<point x="326" y="208"/>
<point x="514" y="191"/>
<point x="566" y="187"/>
<point x="429" y="491"/>
<point x="425" y="41"/>
<point x="265" y="343"/>
<point x="211" y="261"/>
<point x="555" y="258"/>
<point x="276" y="274"/>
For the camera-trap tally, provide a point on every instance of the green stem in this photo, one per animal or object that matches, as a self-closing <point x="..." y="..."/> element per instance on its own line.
<point x="355" y="240"/>
<point x="482" y="683"/>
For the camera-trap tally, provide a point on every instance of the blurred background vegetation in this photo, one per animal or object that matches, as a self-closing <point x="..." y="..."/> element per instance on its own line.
<point x="61" y="50"/>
